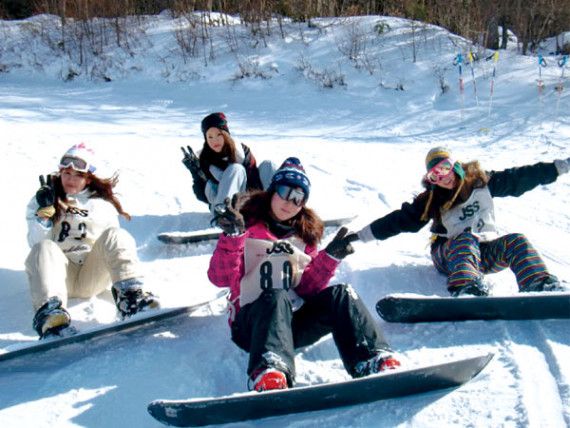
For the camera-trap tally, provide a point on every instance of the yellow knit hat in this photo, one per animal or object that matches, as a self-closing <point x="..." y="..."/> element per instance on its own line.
<point x="435" y="155"/>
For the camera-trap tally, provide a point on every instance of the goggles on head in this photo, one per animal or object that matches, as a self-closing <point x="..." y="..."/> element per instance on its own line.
<point x="76" y="163"/>
<point x="440" y="171"/>
<point x="289" y="194"/>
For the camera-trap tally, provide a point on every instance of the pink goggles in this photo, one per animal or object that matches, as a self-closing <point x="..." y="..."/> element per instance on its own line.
<point x="440" y="171"/>
<point x="76" y="163"/>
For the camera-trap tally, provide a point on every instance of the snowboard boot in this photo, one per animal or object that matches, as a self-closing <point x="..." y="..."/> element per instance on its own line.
<point x="51" y="319"/>
<point x="131" y="299"/>
<point x="475" y="288"/>
<point x="547" y="283"/>
<point x="383" y="360"/>
<point x="267" y="378"/>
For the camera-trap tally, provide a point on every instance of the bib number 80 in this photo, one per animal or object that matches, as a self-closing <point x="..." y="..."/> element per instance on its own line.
<point x="266" y="276"/>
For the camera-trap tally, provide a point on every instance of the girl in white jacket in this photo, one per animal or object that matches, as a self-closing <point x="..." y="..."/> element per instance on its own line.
<point x="77" y="246"/>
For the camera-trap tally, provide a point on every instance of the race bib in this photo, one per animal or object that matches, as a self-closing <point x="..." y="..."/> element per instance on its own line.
<point x="476" y="215"/>
<point x="271" y="264"/>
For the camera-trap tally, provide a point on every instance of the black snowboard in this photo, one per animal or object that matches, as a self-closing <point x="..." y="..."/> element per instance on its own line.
<point x="254" y="405"/>
<point x="522" y="306"/>
<point x="214" y="233"/>
<point x="126" y="326"/>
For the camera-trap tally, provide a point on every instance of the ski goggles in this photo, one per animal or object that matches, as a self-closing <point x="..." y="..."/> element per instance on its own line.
<point x="289" y="194"/>
<point x="440" y="171"/>
<point x="76" y="163"/>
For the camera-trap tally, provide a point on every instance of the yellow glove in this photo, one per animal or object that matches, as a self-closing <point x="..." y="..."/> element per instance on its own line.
<point x="46" y="212"/>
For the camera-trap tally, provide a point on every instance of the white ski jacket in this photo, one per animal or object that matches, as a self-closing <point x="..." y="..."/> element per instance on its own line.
<point x="83" y="221"/>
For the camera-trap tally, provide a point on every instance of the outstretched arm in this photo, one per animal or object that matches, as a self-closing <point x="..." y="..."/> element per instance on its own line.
<point x="516" y="181"/>
<point x="317" y="274"/>
<point x="406" y="219"/>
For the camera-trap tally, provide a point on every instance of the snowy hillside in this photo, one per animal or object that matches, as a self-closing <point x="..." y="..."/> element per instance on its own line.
<point x="363" y="144"/>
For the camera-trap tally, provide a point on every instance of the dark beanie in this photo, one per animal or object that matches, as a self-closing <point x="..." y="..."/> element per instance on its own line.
<point x="291" y="174"/>
<point x="215" y="120"/>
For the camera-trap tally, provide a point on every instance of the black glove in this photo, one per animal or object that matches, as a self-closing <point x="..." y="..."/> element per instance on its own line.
<point x="341" y="246"/>
<point x="351" y="237"/>
<point x="228" y="218"/>
<point x="192" y="162"/>
<point x="45" y="196"/>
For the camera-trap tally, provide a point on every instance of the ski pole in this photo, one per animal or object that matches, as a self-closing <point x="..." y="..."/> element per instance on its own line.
<point x="493" y="57"/>
<point x="473" y="57"/>
<point x="459" y="62"/>
<point x="541" y="65"/>
<point x="562" y="64"/>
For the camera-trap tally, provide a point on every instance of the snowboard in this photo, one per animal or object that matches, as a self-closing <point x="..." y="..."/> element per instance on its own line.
<point x="126" y="326"/>
<point x="522" y="306"/>
<point x="255" y="405"/>
<point x="214" y="233"/>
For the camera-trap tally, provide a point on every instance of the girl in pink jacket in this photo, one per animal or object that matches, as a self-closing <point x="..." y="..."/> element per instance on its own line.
<point x="280" y="298"/>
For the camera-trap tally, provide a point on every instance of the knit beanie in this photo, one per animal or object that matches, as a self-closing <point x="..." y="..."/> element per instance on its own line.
<point x="437" y="154"/>
<point x="291" y="173"/>
<point x="83" y="152"/>
<point x="434" y="156"/>
<point x="215" y="120"/>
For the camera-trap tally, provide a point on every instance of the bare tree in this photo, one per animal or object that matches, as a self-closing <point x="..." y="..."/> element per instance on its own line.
<point x="479" y="20"/>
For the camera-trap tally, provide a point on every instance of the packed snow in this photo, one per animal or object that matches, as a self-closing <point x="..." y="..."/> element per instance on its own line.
<point x="362" y="142"/>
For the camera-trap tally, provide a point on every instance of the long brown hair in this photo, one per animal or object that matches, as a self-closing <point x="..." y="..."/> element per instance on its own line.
<point x="437" y="197"/>
<point x="256" y="207"/>
<point x="210" y="157"/>
<point x="99" y="187"/>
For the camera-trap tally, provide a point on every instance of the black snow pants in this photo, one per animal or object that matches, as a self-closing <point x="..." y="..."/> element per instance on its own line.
<point x="269" y="330"/>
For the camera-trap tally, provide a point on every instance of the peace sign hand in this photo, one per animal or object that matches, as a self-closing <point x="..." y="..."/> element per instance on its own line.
<point x="191" y="161"/>
<point x="45" y="196"/>
<point x="341" y="246"/>
<point x="228" y="217"/>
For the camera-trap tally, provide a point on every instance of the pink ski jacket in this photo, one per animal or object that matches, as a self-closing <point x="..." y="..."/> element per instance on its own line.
<point x="227" y="266"/>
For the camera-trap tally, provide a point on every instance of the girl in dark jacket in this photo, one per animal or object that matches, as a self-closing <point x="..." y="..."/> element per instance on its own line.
<point x="224" y="168"/>
<point x="458" y="199"/>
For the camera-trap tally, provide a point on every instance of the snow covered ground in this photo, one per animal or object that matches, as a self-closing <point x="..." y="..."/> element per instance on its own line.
<point x="363" y="145"/>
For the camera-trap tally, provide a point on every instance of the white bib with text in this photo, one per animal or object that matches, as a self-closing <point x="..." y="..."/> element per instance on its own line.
<point x="271" y="264"/>
<point x="476" y="215"/>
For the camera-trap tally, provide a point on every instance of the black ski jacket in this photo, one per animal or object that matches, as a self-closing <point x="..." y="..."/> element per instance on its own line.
<point x="510" y="182"/>
<point x="249" y="163"/>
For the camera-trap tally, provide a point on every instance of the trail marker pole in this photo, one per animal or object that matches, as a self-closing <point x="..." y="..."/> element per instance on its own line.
<point x="493" y="57"/>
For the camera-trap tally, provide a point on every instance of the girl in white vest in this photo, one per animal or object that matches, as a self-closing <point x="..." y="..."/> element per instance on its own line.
<point x="466" y="245"/>
<point x="77" y="246"/>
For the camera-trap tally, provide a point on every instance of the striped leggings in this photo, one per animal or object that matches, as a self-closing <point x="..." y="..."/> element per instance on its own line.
<point x="464" y="259"/>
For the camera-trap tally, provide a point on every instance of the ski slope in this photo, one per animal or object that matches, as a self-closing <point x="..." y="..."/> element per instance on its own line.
<point x="363" y="145"/>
